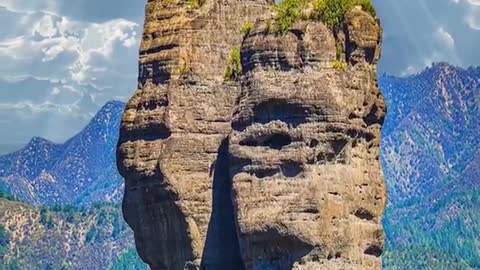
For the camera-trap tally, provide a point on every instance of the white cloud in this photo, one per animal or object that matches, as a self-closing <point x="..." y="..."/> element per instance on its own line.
<point x="436" y="30"/>
<point x="86" y="44"/>
<point x="442" y="49"/>
<point x="472" y="17"/>
<point x="29" y="7"/>
<point x="130" y="42"/>
<point x="445" y="38"/>
<point x="474" y="2"/>
<point x="45" y="27"/>
<point x="33" y="108"/>
<point x="59" y="70"/>
<point x="99" y="40"/>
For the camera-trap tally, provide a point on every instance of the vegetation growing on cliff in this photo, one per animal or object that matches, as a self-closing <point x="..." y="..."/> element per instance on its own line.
<point x="46" y="217"/>
<point x="340" y="65"/>
<point x="331" y="12"/>
<point x="287" y="13"/>
<point x="246" y="28"/>
<point x="196" y="3"/>
<point x="234" y="65"/>
<point x="184" y="68"/>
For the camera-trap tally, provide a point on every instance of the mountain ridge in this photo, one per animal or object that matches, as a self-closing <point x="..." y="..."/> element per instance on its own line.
<point x="51" y="173"/>
<point x="55" y="222"/>
<point x="456" y="125"/>
<point x="430" y="156"/>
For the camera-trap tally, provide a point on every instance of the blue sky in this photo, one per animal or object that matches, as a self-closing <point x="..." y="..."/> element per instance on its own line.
<point x="63" y="59"/>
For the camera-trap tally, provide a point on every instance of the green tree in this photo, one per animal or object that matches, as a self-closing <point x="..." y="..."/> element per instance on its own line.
<point x="46" y="217"/>
<point x="4" y="241"/>
<point x="91" y="234"/>
<point x="4" y="248"/>
<point x="129" y="261"/>
<point x="5" y="192"/>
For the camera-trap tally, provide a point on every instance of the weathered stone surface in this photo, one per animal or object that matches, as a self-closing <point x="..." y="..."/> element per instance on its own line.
<point x="302" y="157"/>
<point x="173" y="127"/>
<point x="304" y="153"/>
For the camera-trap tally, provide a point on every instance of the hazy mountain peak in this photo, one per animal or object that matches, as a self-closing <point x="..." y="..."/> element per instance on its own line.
<point x="82" y="170"/>
<point x="37" y="142"/>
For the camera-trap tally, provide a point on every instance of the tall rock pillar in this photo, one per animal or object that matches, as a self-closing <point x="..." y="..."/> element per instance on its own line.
<point x="276" y="169"/>
<point x="173" y="127"/>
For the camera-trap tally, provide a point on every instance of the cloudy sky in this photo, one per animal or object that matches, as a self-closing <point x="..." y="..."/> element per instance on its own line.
<point x="419" y="32"/>
<point x="63" y="59"/>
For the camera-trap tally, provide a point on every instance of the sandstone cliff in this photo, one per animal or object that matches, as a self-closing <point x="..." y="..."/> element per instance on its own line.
<point x="276" y="167"/>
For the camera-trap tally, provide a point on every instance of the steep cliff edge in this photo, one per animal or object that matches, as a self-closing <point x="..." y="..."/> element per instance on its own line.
<point x="293" y="180"/>
<point x="173" y="126"/>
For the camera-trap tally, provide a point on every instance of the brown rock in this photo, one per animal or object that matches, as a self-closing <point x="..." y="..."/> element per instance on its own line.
<point x="307" y="192"/>
<point x="304" y="154"/>
<point x="173" y="127"/>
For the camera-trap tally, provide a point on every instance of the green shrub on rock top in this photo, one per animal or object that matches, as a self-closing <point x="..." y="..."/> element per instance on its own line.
<point x="5" y="264"/>
<point x="287" y="13"/>
<point x="234" y="65"/>
<point x="46" y="217"/>
<point x="332" y="12"/>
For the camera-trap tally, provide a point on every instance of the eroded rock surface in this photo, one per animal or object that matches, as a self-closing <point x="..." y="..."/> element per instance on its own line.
<point x="173" y="127"/>
<point x="293" y="181"/>
<point x="304" y="153"/>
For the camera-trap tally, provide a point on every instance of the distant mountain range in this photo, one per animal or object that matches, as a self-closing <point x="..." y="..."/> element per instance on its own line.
<point x="75" y="221"/>
<point x="430" y="156"/>
<point x="431" y="161"/>
<point x="79" y="172"/>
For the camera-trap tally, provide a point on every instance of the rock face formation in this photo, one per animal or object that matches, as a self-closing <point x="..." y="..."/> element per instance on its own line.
<point x="278" y="169"/>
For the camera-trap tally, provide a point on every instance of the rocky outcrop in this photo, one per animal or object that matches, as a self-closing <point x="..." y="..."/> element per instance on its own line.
<point x="307" y="183"/>
<point x="174" y="125"/>
<point x="292" y="181"/>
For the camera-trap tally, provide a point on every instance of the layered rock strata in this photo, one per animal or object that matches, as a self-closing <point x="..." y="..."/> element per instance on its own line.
<point x="304" y="152"/>
<point x="174" y="124"/>
<point x="292" y="181"/>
